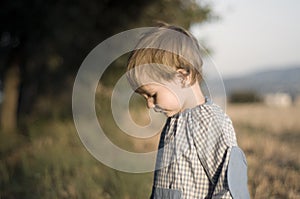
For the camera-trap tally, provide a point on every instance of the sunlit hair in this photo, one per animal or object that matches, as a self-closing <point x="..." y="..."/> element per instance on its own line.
<point x="161" y="52"/>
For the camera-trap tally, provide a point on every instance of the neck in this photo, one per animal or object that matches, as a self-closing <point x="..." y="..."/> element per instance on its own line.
<point x="194" y="96"/>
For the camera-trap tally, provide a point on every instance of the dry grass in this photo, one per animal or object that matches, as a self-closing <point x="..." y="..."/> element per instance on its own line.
<point x="51" y="162"/>
<point x="270" y="137"/>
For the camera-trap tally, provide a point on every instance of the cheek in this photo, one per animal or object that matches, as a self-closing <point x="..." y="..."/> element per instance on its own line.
<point x="171" y="100"/>
<point x="176" y="94"/>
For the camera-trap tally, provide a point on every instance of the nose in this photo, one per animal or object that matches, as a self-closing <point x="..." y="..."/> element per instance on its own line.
<point x="150" y="103"/>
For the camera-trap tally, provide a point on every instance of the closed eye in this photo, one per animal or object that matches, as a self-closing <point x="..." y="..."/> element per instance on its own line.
<point x="153" y="95"/>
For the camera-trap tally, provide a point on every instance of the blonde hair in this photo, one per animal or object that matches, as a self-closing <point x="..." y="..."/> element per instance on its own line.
<point x="161" y="52"/>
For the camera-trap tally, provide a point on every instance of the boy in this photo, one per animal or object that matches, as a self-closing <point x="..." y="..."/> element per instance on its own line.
<point x="198" y="155"/>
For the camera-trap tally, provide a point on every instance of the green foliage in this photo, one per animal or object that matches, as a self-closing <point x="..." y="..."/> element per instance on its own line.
<point x="49" y="40"/>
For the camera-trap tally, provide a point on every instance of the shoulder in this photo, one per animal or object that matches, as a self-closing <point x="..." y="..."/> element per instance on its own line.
<point x="221" y="126"/>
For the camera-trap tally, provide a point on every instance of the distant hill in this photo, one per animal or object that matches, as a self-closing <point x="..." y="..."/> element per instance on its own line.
<point x="269" y="81"/>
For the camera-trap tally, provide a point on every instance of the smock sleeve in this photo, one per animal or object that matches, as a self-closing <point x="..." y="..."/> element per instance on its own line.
<point x="224" y="162"/>
<point x="213" y="137"/>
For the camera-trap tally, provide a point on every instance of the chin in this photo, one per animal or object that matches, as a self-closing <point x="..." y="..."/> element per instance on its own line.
<point x="170" y="114"/>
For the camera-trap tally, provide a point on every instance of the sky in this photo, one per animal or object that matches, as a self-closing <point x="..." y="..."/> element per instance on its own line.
<point x="252" y="36"/>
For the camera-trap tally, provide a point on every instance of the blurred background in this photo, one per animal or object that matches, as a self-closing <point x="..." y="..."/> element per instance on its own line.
<point x="255" y="45"/>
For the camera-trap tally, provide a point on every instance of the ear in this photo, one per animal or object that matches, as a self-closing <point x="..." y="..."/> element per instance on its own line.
<point x="184" y="77"/>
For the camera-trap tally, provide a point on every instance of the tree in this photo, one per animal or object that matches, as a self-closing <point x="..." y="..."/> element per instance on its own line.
<point x="43" y="42"/>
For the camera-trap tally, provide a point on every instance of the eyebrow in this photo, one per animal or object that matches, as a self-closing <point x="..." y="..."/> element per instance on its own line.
<point x="141" y="91"/>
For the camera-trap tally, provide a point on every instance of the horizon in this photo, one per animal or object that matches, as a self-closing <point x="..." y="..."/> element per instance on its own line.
<point x="252" y="35"/>
<point x="260" y="70"/>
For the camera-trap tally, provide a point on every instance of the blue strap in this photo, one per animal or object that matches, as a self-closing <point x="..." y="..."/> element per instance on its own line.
<point x="237" y="174"/>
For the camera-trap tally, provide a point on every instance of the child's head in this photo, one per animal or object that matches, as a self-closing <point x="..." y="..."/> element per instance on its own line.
<point x="161" y="53"/>
<point x="166" y="70"/>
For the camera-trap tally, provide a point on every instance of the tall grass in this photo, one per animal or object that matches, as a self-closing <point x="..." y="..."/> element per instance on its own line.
<point x="51" y="162"/>
<point x="270" y="137"/>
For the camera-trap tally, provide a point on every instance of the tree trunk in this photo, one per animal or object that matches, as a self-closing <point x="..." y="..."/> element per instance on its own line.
<point x="11" y="96"/>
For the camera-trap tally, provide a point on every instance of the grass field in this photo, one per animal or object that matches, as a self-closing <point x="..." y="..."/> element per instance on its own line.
<point x="50" y="161"/>
<point x="270" y="137"/>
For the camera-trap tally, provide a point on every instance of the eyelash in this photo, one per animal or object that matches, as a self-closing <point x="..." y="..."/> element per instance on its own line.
<point x="154" y="95"/>
<point x="150" y="96"/>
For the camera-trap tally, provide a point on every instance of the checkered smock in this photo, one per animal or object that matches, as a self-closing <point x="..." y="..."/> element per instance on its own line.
<point x="193" y="155"/>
